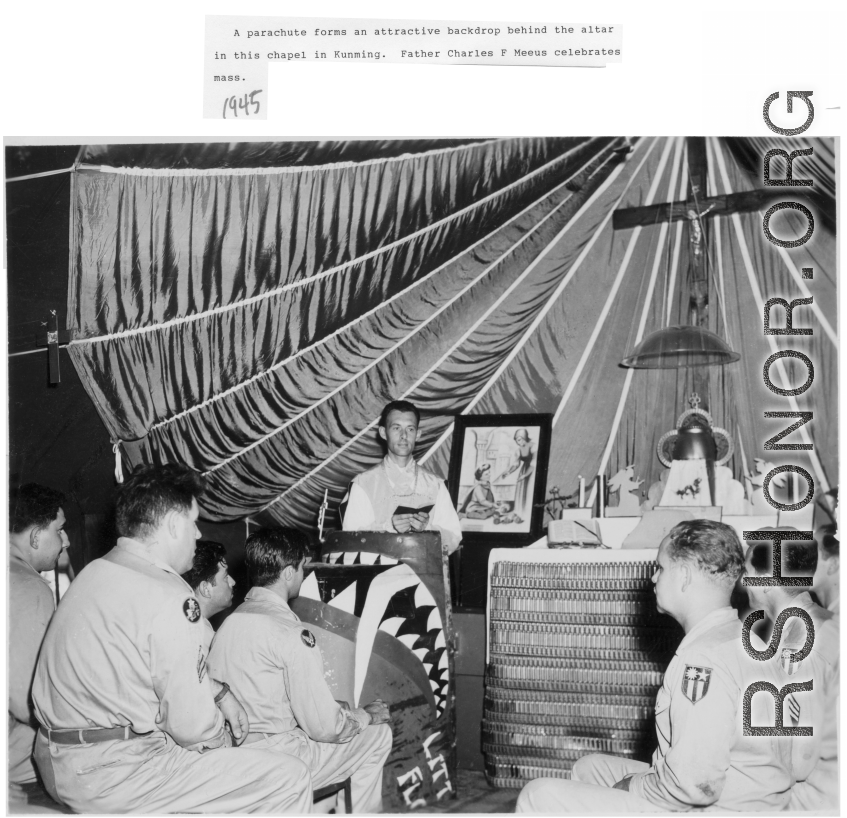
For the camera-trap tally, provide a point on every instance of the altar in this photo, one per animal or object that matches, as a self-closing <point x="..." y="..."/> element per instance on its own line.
<point x="575" y="648"/>
<point x="575" y="654"/>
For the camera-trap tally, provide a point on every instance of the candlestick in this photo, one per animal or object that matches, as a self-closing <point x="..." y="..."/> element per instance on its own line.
<point x="321" y="515"/>
<point x="601" y="495"/>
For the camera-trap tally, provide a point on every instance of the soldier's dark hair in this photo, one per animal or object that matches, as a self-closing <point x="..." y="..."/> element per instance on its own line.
<point x="399" y="406"/>
<point x="827" y="537"/>
<point x="207" y="559"/>
<point x="799" y="559"/>
<point x="271" y="550"/>
<point x="149" y="493"/>
<point x="712" y="547"/>
<point x="33" y="505"/>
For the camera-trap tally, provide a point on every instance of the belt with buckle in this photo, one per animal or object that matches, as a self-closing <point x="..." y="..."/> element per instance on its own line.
<point x="93" y="735"/>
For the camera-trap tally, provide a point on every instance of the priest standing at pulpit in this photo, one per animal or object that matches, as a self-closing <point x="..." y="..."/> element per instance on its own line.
<point x="399" y="495"/>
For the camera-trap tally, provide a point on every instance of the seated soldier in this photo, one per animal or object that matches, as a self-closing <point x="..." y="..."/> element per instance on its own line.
<point x="37" y="539"/>
<point x="398" y="482"/>
<point x="815" y="757"/>
<point x="131" y="721"/>
<point x="703" y="759"/>
<point x="275" y="668"/>
<point x="210" y="579"/>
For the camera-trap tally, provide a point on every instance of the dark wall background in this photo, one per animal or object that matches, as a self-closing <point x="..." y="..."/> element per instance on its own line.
<point x="55" y="435"/>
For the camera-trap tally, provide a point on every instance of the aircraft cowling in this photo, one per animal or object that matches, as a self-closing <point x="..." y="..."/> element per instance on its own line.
<point x="379" y="606"/>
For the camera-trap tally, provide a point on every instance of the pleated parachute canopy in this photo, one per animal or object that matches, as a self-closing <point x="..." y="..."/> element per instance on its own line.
<point x="247" y="309"/>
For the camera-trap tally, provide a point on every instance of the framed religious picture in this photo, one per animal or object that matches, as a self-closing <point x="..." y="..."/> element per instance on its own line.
<point x="498" y="475"/>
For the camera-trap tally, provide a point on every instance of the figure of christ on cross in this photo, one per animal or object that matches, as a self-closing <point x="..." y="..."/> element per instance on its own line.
<point x="695" y="210"/>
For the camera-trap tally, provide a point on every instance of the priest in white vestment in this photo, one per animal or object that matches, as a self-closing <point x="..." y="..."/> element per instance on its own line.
<point x="399" y="495"/>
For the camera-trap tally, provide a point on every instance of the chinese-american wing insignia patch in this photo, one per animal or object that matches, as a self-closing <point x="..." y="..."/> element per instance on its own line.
<point x="191" y="609"/>
<point x="308" y="638"/>
<point x="695" y="682"/>
<point x="789" y="665"/>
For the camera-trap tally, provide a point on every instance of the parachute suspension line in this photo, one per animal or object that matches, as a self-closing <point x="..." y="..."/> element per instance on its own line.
<point x="645" y="312"/>
<point x="760" y="304"/>
<point x="556" y="294"/>
<point x="604" y="313"/>
<point x="677" y="247"/>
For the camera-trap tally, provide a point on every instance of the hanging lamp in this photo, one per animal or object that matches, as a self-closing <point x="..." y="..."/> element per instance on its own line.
<point x="678" y="347"/>
<point x="688" y="345"/>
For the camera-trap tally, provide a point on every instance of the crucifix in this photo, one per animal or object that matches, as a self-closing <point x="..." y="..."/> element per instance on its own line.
<point x="52" y="338"/>
<point x="695" y="210"/>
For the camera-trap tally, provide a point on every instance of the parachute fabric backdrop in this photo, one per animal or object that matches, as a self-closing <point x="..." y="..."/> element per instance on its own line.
<point x="251" y="321"/>
<point x="626" y="284"/>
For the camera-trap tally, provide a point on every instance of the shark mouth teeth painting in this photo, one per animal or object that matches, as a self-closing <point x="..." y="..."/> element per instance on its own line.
<point x="388" y="597"/>
<point x="359" y="558"/>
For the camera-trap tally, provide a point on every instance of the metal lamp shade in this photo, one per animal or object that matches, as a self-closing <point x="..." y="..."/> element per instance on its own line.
<point x="677" y="347"/>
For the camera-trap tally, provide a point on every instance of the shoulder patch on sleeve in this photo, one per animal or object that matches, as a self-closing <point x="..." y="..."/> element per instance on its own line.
<point x="308" y="638"/>
<point x="191" y="609"/>
<point x="789" y="664"/>
<point x="695" y="682"/>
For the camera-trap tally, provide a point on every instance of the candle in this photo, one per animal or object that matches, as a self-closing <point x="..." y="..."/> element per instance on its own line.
<point x="601" y="496"/>
<point x="321" y="515"/>
<point x="581" y="491"/>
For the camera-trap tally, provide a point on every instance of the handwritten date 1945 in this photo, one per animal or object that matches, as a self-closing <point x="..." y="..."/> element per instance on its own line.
<point x="246" y="104"/>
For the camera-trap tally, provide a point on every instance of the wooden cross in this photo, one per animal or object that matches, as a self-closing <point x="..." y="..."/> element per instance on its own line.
<point x="696" y="209"/>
<point x="52" y="338"/>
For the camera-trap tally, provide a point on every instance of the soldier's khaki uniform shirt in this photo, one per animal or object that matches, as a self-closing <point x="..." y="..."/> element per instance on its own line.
<point x="31" y="607"/>
<point x="129" y="648"/>
<point x="208" y="636"/>
<point x="275" y="668"/>
<point x="274" y="665"/>
<point x="815" y="757"/>
<point x="703" y="758"/>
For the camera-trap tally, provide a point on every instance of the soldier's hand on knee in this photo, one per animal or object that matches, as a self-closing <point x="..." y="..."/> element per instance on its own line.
<point x="236" y="717"/>
<point x="378" y="711"/>
<point x="623" y="784"/>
